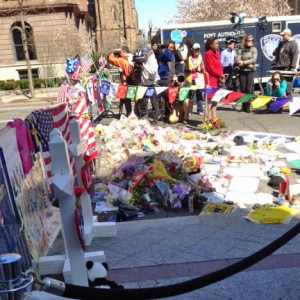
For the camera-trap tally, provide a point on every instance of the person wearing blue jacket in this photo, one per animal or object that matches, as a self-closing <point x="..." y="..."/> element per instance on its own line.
<point x="166" y="71"/>
<point x="166" y="64"/>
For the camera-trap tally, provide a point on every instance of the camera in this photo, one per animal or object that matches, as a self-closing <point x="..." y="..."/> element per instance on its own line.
<point x="180" y="78"/>
<point x="137" y="68"/>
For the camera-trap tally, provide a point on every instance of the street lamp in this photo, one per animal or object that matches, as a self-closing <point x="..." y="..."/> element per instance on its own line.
<point x="150" y="30"/>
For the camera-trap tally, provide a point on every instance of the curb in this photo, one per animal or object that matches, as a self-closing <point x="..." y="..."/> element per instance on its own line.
<point x="28" y="102"/>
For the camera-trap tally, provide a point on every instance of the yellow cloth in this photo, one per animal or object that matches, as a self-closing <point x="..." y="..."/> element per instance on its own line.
<point x="273" y="215"/>
<point x="194" y="87"/>
<point x="261" y="101"/>
<point x="160" y="171"/>
<point x="219" y="208"/>
<point x="141" y="90"/>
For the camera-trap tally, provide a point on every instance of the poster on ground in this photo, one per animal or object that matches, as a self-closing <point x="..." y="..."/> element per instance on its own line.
<point x="41" y="220"/>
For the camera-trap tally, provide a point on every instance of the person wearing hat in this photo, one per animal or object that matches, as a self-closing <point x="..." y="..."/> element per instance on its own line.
<point x="286" y="55"/>
<point x="194" y="74"/>
<point x="149" y="78"/>
<point x="228" y="58"/>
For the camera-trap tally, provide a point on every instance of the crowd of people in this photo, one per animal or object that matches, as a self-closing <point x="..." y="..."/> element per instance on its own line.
<point x="183" y="65"/>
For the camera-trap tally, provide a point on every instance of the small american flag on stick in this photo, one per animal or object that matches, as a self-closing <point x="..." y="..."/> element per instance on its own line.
<point x="86" y="62"/>
<point x="63" y="91"/>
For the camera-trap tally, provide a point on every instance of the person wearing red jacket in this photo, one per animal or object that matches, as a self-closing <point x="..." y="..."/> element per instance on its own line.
<point x="213" y="67"/>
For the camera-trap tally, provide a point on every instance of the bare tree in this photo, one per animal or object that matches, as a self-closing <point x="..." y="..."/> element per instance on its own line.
<point x="212" y="10"/>
<point x="70" y="42"/>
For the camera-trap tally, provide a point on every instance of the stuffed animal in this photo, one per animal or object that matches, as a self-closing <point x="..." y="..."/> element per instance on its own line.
<point x="97" y="276"/>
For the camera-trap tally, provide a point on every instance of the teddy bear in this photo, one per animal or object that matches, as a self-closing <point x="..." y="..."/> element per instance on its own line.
<point x="97" y="274"/>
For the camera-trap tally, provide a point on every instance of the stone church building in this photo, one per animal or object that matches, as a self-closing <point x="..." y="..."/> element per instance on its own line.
<point x="57" y="29"/>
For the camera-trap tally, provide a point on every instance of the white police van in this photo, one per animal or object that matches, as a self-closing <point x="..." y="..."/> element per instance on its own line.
<point x="266" y="32"/>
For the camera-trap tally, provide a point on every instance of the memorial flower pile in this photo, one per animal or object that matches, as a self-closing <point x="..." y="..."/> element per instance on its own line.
<point x="211" y="125"/>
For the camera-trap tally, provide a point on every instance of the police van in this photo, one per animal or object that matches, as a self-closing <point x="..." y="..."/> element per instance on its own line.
<point x="266" y="32"/>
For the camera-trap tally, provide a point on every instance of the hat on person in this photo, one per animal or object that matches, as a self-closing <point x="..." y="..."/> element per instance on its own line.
<point x="196" y="46"/>
<point x="145" y="51"/>
<point x="286" y="31"/>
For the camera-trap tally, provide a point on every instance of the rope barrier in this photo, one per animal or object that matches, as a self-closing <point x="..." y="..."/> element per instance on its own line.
<point x="86" y="293"/>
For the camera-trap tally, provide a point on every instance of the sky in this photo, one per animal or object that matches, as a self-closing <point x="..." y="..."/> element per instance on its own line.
<point x="156" y="11"/>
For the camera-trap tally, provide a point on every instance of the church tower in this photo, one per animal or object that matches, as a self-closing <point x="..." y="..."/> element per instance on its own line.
<point x="115" y="24"/>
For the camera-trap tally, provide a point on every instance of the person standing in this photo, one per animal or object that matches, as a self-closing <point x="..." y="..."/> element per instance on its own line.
<point x="166" y="71"/>
<point x="246" y="60"/>
<point x="121" y="59"/>
<point x="149" y="78"/>
<point x="286" y="56"/>
<point x="213" y="67"/>
<point x="194" y="72"/>
<point x="228" y="58"/>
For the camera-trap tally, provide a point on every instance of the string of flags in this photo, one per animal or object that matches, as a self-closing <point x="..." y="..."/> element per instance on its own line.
<point x="100" y="84"/>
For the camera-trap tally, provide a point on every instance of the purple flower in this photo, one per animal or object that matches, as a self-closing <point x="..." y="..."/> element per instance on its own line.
<point x="181" y="189"/>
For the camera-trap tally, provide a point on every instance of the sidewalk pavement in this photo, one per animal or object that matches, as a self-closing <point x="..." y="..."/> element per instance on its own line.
<point x="165" y="251"/>
<point x="42" y="97"/>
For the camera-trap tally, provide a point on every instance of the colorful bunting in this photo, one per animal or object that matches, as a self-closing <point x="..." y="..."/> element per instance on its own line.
<point x="246" y="98"/>
<point x="150" y="92"/>
<point x="219" y="95"/>
<point x="278" y="104"/>
<point x="121" y="92"/>
<point x="131" y="92"/>
<point x="113" y="90"/>
<point x="160" y="89"/>
<point x="141" y="90"/>
<point x="232" y="97"/>
<point x="294" y="105"/>
<point x="105" y="87"/>
<point x="261" y="101"/>
<point x="183" y="93"/>
<point x="172" y="94"/>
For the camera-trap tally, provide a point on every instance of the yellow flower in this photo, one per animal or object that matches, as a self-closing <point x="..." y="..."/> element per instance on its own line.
<point x="285" y="170"/>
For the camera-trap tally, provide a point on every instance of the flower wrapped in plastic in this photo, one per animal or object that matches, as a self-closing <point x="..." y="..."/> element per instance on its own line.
<point x="214" y="125"/>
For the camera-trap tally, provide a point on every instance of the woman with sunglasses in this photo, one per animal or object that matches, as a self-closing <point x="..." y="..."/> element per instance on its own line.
<point x="246" y="60"/>
<point x="276" y="87"/>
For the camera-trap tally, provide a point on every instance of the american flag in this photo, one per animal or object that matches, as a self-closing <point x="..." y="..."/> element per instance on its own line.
<point x="80" y="107"/>
<point x="45" y="120"/>
<point x="63" y="91"/>
<point x="86" y="62"/>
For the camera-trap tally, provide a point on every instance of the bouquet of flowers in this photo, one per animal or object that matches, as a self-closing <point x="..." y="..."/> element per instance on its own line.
<point x="214" y="125"/>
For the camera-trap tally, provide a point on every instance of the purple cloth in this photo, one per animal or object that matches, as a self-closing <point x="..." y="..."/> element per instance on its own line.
<point x="278" y="104"/>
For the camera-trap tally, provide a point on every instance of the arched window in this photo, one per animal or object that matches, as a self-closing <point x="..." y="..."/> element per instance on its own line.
<point x="17" y="40"/>
<point x="114" y="13"/>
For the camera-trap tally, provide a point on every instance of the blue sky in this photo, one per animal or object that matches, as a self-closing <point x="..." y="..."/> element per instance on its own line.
<point x="156" y="11"/>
